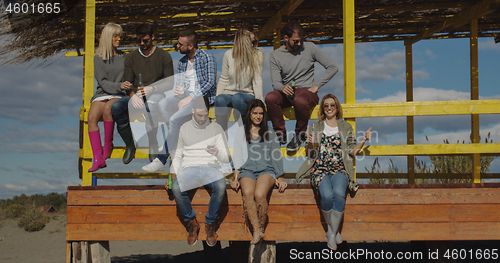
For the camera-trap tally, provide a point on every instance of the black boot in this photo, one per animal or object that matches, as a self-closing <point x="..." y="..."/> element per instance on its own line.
<point x="126" y="134"/>
<point x="153" y="144"/>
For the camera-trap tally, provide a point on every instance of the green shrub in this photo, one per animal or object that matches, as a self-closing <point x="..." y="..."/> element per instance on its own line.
<point x="33" y="219"/>
<point x="14" y="211"/>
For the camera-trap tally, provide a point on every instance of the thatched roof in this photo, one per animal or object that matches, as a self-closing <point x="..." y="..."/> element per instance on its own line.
<point x="43" y="35"/>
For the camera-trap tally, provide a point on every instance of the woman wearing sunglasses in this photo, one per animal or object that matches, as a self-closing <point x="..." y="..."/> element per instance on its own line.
<point x="258" y="166"/>
<point x="108" y="71"/>
<point x="330" y="147"/>
<point x="241" y="76"/>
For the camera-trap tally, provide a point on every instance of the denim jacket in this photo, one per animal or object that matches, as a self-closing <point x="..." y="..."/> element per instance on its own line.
<point x="348" y="142"/>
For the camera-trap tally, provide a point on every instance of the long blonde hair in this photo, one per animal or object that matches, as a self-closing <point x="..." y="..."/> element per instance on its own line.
<point x="247" y="57"/>
<point x="105" y="49"/>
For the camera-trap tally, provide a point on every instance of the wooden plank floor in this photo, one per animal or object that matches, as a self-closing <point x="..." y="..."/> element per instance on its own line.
<point x="390" y="213"/>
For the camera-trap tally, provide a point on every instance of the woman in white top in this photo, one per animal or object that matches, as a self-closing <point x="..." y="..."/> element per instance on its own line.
<point x="241" y="77"/>
<point x="108" y="71"/>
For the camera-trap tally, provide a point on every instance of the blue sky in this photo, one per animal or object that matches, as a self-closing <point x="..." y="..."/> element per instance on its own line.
<point x="40" y="106"/>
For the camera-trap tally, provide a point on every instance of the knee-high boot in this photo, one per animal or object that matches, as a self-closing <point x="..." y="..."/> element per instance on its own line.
<point x="258" y="230"/>
<point x="95" y="143"/>
<point x="126" y="133"/>
<point x="330" y="234"/>
<point x="335" y="219"/>
<point x="109" y="127"/>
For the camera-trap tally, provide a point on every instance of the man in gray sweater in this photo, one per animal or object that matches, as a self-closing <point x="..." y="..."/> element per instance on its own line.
<point x="201" y="147"/>
<point x="293" y="65"/>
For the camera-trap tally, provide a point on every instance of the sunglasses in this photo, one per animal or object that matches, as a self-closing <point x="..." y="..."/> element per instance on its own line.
<point x="144" y="40"/>
<point x="115" y="38"/>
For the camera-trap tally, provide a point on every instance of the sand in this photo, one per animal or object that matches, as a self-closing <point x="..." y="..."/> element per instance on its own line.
<point x="48" y="246"/>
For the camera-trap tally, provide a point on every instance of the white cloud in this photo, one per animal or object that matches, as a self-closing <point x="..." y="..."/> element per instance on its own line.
<point x="464" y="136"/>
<point x="426" y="94"/>
<point x="31" y="169"/>
<point x="9" y="190"/>
<point x="489" y="44"/>
<point x="41" y="147"/>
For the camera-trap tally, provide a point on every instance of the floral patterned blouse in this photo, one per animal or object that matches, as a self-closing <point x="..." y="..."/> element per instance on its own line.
<point x="329" y="161"/>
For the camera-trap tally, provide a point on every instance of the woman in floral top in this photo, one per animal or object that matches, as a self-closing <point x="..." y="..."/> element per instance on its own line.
<point x="330" y="164"/>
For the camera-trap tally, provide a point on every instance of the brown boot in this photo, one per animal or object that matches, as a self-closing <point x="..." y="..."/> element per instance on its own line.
<point x="211" y="235"/>
<point x="258" y="230"/>
<point x="193" y="227"/>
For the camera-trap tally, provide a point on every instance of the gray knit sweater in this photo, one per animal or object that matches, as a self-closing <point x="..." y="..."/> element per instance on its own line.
<point x="109" y="75"/>
<point x="299" y="65"/>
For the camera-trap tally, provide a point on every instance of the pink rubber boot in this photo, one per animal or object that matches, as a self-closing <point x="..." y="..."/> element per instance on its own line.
<point x="109" y="127"/>
<point x="95" y="142"/>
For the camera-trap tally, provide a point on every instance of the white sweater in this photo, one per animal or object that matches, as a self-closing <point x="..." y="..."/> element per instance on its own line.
<point x="228" y="80"/>
<point x="194" y="139"/>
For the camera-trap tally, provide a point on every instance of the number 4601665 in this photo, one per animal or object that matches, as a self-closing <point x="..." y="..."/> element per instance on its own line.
<point x="41" y="8"/>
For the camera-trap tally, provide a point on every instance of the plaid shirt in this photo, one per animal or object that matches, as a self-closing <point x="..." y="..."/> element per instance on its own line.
<point x="206" y="74"/>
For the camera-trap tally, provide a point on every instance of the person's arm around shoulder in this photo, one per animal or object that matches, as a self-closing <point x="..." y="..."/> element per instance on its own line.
<point x="327" y="62"/>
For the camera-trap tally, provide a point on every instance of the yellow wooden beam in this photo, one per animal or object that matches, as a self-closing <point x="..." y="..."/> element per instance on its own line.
<point x="421" y="108"/>
<point x="372" y="150"/>
<point x="88" y="81"/>
<point x="276" y="22"/>
<point x="430" y="149"/>
<point x="476" y="11"/>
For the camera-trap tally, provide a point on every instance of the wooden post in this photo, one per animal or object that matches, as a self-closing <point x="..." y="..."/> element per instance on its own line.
<point x="99" y="252"/>
<point x="80" y="252"/>
<point x="409" y="119"/>
<point x="474" y="95"/>
<point x="262" y="252"/>
<point x="277" y="39"/>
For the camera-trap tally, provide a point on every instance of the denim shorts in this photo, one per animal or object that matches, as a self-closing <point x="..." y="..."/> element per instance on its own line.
<point x="254" y="175"/>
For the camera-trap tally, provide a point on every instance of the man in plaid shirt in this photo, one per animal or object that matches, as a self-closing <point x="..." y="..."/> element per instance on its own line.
<point x="196" y="76"/>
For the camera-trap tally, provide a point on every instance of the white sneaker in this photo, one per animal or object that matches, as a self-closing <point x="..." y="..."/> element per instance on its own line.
<point x="154" y="167"/>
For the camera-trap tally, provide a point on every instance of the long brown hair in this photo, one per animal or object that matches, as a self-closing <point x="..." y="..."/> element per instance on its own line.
<point x="247" y="122"/>
<point x="321" y="112"/>
<point x="247" y="57"/>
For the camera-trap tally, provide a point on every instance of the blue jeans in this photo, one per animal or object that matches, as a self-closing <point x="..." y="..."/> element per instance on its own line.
<point x="120" y="111"/>
<point x="174" y="118"/>
<point x="218" y="192"/>
<point x="237" y="101"/>
<point x="332" y="190"/>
